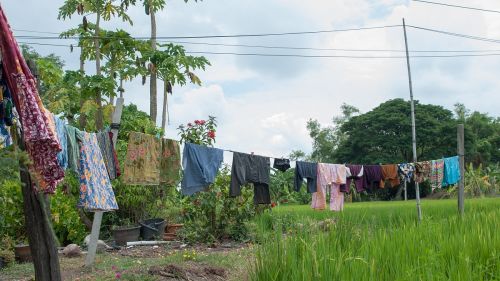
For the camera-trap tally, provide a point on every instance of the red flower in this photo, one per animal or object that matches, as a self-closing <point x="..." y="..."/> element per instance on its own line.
<point x="273" y="204"/>
<point x="190" y="125"/>
<point x="197" y="122"/>
<point x="202" y="122"/>
<point x="211" y="134"/>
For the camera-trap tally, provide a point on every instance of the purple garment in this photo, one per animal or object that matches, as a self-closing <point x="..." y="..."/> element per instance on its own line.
<point x="359" y="182"/>
<point x="372" y="175"/>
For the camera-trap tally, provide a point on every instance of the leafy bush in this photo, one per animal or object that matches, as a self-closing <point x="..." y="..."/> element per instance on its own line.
<point x="11" y="204"/>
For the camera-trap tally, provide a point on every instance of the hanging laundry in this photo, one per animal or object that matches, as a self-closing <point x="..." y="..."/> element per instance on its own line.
<point x="281" y="164"/>
<point x="96" y="192"/>
<point x="5" y="138"/>
<point x="142" y="165"/>
<point x="422" y="171"/>
<point x="73" y="138"/>
<point x="62" y="156"/>
<point x="451" y="171"/>
<point x="354" y="173"/>
<point x="107" y="152"/>
<point x="249" y="168"/>
<point x="201" y="164"/>
<point x="170" y="165"/>
<point x="306" y="170"/>
<point x="437" y="173"/>
<point x="372" y="175"/>
<point x="115" y="157"/>
<point x="41" y="144"/>
<point x="332" y="175"/>
<point x="390" y="174"/>
<point x="6" y="105"/>
<point x="406" y="171"/>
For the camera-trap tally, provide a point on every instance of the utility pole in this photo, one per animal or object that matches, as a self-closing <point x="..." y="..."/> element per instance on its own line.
<point x="96" y="224"/>
<point x="461" y="150"/>
<point x="413" y="131"/>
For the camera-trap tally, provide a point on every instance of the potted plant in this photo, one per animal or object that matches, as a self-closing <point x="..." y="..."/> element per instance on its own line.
<point x="22" y="251"/>
<point x="126" y="232"/>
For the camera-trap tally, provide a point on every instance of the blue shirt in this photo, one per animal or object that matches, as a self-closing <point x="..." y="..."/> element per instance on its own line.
<point x="451" y="171"/>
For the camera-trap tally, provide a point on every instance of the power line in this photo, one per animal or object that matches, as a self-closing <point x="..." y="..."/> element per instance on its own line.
<point x="457" y="6"/>
<point x="224" y="36"/>
<point x="457" y="34"/>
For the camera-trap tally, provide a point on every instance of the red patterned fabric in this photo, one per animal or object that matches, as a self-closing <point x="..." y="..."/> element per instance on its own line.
<point x="41" y="143"/>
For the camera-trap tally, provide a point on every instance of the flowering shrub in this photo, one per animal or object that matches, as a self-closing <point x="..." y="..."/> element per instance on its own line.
<point x="200" y="132"/>
<point x="189" y="255"/>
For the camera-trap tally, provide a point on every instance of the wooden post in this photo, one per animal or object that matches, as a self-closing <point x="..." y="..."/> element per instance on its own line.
<point x="461" y="152"/>
<point x="96" y="224"/>
<point x="406" y="194"/>
<point x="413" y="131"/>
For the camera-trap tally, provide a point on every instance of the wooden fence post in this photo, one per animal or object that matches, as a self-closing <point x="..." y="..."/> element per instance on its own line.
<point x="461" y="183"/>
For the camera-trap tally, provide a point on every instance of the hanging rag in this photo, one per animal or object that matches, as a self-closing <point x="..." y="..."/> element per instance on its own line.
<point x="73" y="138"/>
<point x="62" y="156"/>
<point x="406" y="171"/>
<point x="281" y="164"/>
<point x="201" y="164"/>
<point x="5" y="138"/>
<point x="115" y="156"/>
<point x="96" y="192"/>
<point x="422" y="171"/>
<point x="372" y="175"/>
<point x="306" y="170"/>
<point x="390" y="174"/>
<point x="41" y="144"/>
<point x="249" y="168"/>
<point x="170" y="164"/>
<point x="437" y="173"/>
<point x="451" y="171"/>
<point x="332" y="175"/>
<point x="142" y="165"/>
<point x="354" y="174"/>
<point x="107" y="151"/>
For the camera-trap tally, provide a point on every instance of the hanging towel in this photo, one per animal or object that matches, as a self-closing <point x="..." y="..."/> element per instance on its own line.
<point x="107" y="151"/>
<point x="390" y="174"/>
<point x="249" y="168"/>
<point x="332" y="175"/>
<point x="201" y="164"/>
<point x="281" y="164"/>
<point x="406" y="171"/>
<point x="73" y="137"/>
<point x="96" y="192"/>
<point x="142" y="165"/>
<point x="372" y="175"/>
<point x="437" y="173"/>
<point x="451" y="171"/>
<point x="170" y="165"/>
<point x="422" y="171"/>
<point x="62" y="156"/>
<point x="306" y="170"/>
<point x="354" y="173"/>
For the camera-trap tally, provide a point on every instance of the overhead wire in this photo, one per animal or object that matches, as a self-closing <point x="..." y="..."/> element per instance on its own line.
<point x="472" y="37"/>
<point x="457" y="6"/>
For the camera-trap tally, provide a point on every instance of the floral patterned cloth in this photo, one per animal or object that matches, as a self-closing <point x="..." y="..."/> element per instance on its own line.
<point x="437" y="173"/>
<point x="406" y="171"/>
<point x="170" y="164"/>
<point x="422" y="171"/>
<point x="142" y="165"/>
<point x="107" y="151"/>
<point x="96" y="192"/>
<point x="41" y="144"/>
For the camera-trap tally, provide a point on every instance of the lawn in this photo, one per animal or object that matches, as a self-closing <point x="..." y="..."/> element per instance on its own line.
<point x="368" y="241"/>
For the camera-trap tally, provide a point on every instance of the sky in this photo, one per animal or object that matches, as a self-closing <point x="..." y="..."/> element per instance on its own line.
<point x="262" y="104"/>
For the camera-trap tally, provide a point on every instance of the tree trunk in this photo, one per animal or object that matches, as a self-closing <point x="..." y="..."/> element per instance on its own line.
<point x="83" y="118"/>
<point x="165" y="105"/>
<point x="99" y="122"/>
<point x="153" y="102"/>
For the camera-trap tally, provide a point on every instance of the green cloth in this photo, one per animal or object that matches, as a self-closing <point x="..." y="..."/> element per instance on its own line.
<point x="74" y="136"/>
<point x="170" y="167"/>
<point x="142" y="165"/>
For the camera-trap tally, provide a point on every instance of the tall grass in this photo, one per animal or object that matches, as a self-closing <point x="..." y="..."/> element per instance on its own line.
<point x="381" y="241"/>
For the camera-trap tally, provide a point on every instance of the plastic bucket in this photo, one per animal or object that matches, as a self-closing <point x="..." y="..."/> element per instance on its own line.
<point x="153" y="229"/>
<point x="125" y="234"/>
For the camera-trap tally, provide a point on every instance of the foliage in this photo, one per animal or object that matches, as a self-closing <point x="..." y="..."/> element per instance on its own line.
<point x="201" y="132"/>
<point x="11" y="204"/>
<point x="214" y="215"/>
<point x="479" y="182"/>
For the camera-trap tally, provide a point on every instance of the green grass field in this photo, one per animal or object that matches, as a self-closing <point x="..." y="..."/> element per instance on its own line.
<point x="381" y="241"/>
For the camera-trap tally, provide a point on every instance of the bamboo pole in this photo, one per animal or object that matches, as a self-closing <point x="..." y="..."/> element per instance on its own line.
<point x="461" y="152"/>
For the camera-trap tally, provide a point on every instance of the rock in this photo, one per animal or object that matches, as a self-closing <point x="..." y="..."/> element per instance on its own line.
<point x="72" y="250"/>
<point x="101" y="245"/>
